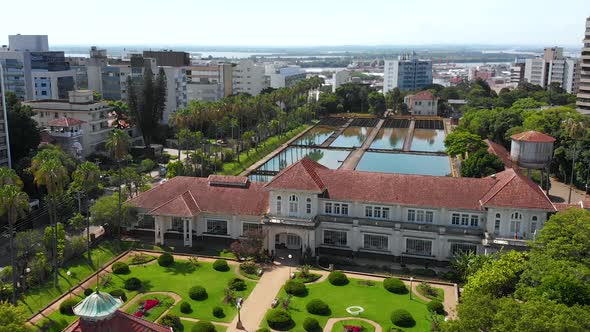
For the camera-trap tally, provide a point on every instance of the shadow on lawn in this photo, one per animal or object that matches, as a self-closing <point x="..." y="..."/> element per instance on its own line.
<point x="182" y="268"/>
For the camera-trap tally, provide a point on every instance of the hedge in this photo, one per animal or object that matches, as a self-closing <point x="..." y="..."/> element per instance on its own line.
<point x="236" y="284"/>
<point x="218" y="312"/>
<point x="172" y="321"/>
<point x="65" y="308"/>
<point x="402" y="318"/>
<point x="295" y="287"/>
<point x="198" y="293"/>
<point x="166" y="259"/>
<point x="221" y="265"/>
<point x="436" y="306"/>
<point x="279" y="319"/>
<point x="120" y="268"/>
<point x="318" y="307"/>
<point x="185" y="308"/>
<point x="88" y="291"/>
<point x="338" y="278"/>
<point x="203" y="326"/>
<point x="119" y="293"/>
<point x="311" y="324"/>
<point x="132" y="284"/>
<point x="395" y="285"/>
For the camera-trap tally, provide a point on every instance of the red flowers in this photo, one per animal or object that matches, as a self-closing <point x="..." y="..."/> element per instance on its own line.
<point x="144" y="307"/>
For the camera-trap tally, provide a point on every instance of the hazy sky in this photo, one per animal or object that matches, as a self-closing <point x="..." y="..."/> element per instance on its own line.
<point x="298" y="22"/>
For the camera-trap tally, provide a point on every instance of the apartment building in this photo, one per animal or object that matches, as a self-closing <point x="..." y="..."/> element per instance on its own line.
<point x="552" y="67"/>
<point x="408" y="73"/>
<point x="340" y="77"/>
<point x="281" y="75"/>
<point x="169" y="58"/>
<point x="249" y="77"/>
<point x="78" y="124"/>
<point x="583" y="102"/>
<point x="209" y="81"/>
<point x="176" y="91"/>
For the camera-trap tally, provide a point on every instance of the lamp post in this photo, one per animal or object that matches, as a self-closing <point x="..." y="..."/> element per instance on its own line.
<point x="411" y="280"/>
<point x="69" y="274"/>
<point x="239" y="301"/>
<point x="290" y="256"/>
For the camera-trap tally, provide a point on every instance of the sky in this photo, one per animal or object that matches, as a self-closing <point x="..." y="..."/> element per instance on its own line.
<point x="298" y="22"/>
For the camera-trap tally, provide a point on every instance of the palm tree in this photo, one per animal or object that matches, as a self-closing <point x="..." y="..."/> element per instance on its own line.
<point x="576" y="131"/>
<point x="85" y="178"/>
<point x="118" y="145"/>
<point x="9" y="176"/>
<point x="14" y="204"/>
<point x="53" y="175"/>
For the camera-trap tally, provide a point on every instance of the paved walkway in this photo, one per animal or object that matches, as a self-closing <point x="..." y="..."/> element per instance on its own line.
<point x="260" y="300"/>
<point x="354" y="158"/>
<point x="330" y="323"/>
<point x="337" y="133"/>
<point x="410" y="136"/>
<point x="559" y="192"/>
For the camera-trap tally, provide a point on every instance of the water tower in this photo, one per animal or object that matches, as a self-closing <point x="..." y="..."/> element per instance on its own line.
<point x="532" y="150"/>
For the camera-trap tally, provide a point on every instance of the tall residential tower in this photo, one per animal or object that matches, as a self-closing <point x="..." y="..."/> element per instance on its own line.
<point x="408" y="73"/>
<point x="583" y="103"/>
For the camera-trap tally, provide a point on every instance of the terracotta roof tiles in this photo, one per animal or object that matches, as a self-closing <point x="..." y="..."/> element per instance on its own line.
<point x="65" y="122"/>
<point x="533" y="136"/>
<point x="120" y="321"/>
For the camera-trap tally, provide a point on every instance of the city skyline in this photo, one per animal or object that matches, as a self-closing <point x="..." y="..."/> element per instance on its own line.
<point x="263" y="23"/>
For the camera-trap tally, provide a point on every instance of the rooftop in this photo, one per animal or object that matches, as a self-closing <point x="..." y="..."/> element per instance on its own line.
<point x="65" y="122"/>
<point x="423" y="95"/>
<point x="533" y="136"/>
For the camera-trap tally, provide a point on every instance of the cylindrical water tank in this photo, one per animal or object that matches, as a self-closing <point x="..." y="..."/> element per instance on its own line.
<point x="532" y="149"/>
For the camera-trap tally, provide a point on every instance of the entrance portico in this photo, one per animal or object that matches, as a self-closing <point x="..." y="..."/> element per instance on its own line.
<point x="163" y="224"/>
<point x="289" y="234"/>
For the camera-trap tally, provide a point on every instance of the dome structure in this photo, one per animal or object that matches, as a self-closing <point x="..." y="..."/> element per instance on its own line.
<point x="97" y="306"/>
<point x="532" y="149"/>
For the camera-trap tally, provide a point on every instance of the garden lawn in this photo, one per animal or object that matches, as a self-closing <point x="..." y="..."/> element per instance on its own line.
<point x="440" y="293"/>
<point x="188" y="325"/>
<point x="247" y="158"/>
<point x="377" y="302"/>
<point x="155" y="312"/>
<point x="339" y="326"/>
<point x="178" y="279"/>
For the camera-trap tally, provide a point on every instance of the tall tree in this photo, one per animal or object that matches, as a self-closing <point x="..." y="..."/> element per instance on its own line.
<point x="22" y="129"/>
<point x="9" y="176"/>
<point x="146" y="105"/>
<point x="118" y="145"/>
<point x="14" y="204"/>
<point x="12" y="318"/>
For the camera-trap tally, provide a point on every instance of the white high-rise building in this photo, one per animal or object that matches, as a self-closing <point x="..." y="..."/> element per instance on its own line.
<point x="583" y="103"/>
<point x="553" y="67"/>
<point x="176" y="93"/>
<point x="340" y="77"/>
<point x="31" y="43"/>
<point x="249" y="77"/>
<point x="408" y="73"/>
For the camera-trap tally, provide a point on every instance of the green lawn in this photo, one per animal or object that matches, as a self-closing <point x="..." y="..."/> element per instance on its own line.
<point x="339" y="326"/>
<point x="189" y="325"/>
<point x="155" y="312"/>
<point x="377" y="302"/>
<point x="253" y="155"/>
<point x="440" y="293"/>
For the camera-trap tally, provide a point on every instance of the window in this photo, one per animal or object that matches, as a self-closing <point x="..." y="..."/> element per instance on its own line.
<point x="368" y="211"/>
<point x="147" y="221"/>
<point x="328" y="208"/>
<point x="218" y="227"/>
<point x="429" y="216"/>
<point x="293" y="204"/>
<point x="308" y="206"/>
<point x="375" y="242"/>
<point x="464" y="220"/>
<point x="335" y="238"/>
<point x="411" y="215"/>
<point x="515" y="221"/>
<point x="419" y="247"/>
<point x="455" y="219"/>
<point x="457" y="248"/>
<point x="385" y="213"/>
<point x="249" y="227"/>
<point x="474" y="221"/>
<point x="344" y="209"/>
<point x="534" y="220"/>
<point x="279" y="202"/>
<point x="177" y="224"/>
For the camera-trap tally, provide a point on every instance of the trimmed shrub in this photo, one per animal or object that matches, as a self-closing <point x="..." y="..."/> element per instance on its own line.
<point x="132" y="284"/>
<point x="218" y="312"/>
<point x="338" y="278"/>
<point x="88" y="291"/>
<point x="311" y="324"/>
<point x="221" y="265"/>
<point x="279" y="319"/>
<point x="172" y="321"/>
<point x="249" y="267"/>
<point x="395" y="285"/>
<point x="166" y="259"/>
<point x="119" y="293"/>
<point x="236" y="284"/>
<point x="120" y="268"/>
<point x="185" y="308"/>
<point x="436" y="306"/>
<point x="318" y="307"/>
<point x="65" y="308"/>
<point x="203" y="326"/>
<point x="402" y="318"/>
<point x="295" y="287"/>
<point x="198" y="293"/>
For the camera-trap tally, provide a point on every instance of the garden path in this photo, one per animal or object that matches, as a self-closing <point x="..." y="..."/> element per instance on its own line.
<point x="330" y="323"/>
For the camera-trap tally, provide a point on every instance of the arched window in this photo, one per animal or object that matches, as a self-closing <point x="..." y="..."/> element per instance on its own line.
<point x="534" y="221"/>
<point x="497" y="223"/>
<point x="293" y="204"/>
<point x="308" y="206"/>
<point x="515" y="221"/>
<point x="279" y="204"/>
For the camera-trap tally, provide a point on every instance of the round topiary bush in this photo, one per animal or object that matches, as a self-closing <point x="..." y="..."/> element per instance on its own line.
<point x="166" y="259"/>
<point x="436" y="306"/>
<point x="65" y="308"/>
<point x="185" y="308"/>
<point x="236" y="284"/>
<point x="218" y="312"/>
<point x="402" y="318"/>
<point x="318" y="307"/>
<point x="279" y="319"/>
<point x="395" y="285"/>
<point x="311" y="324"/>
<point x="132" y="284"/>
<point x="172" y="321"/>
<point x="88" y="291"/>
<point x="119" y="293"/>
<point x="198" y="293"/>
<point x="120" y="268"/>
<point x="221" y="265"/>
<point x="337" y="278"/>
<point x="295" y="287"/>
<point x="203" y="326"/>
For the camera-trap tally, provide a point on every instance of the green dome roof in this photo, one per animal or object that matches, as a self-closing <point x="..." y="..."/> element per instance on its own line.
<point x="97" y="306"/>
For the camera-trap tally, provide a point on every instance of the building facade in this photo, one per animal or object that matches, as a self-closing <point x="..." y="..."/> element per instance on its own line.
<point x="209" y="82"/>
<point x="362" y="213"/>
<point x="284" y="76"/>
<point x="79" y="124"/>
<point x="408" y="73"/>
<point x="422" y="103"/>
<point x="341" y="77"/>
<point x="583" y="102"/>
<point x="176" y="91"/>
<point x="553" y="67"/>
<point x="249" y="77"/>
<point x="31" y="43"/>
<point x="4" y="144"/>
<point x="169" y="58"/>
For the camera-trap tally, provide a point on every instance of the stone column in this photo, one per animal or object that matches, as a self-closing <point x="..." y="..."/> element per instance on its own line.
<point x="185" y="229"/>
<point x="190" y="231"/>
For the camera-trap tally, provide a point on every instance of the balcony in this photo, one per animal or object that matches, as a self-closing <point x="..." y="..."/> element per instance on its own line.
<point x="290" y="221"/>
<point x="493" y="241"/>
<point x="66" y="134"/>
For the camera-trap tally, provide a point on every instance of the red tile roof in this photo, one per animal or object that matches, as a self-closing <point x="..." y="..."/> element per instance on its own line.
<point x="188" y="196"/>
<point x="65" y="122"/>
<point x="302" y="175"/>
<point x="228" y="180"/>
<point x="120" y="321"/>
<point x="533" y="136"/>
<point x="508" y="188"/>
<point x="565" y="206"/>
<point x="500" y="151"/>
<point x="423" y="95"/>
